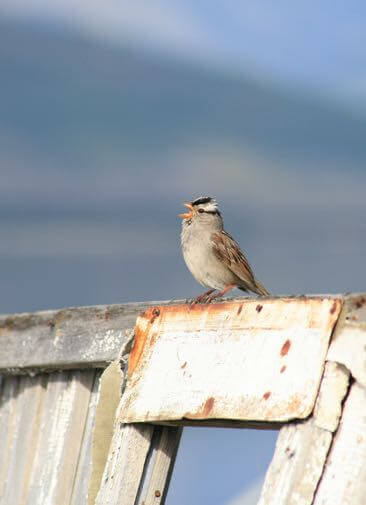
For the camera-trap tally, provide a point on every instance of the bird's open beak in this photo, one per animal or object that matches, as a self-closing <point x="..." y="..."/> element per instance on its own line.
<point x="187" y="215"/>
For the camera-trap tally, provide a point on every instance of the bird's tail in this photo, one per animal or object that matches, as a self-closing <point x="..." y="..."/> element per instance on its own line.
<point x="256" y="287"/>
<point x="260" y="289"/>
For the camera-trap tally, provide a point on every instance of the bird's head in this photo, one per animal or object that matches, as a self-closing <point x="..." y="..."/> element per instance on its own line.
<point x="202" y="209"/>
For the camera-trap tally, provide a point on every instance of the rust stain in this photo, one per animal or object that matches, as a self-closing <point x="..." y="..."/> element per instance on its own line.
<point x="266" y="395"/>
<point x="198" y="308"/>
<point x="239" y="310"/>
<point x="294" y="404"/>
<point x="209" y="403"/>
<point x="203" y="412"/>
<point x="142" y="332"/>
<point x="155" y="313"/>
<point x="283" y="368"/>
<point x="333" y="307"/>
<point x="285" y="348"/>
<point x="360" y="302"/>
<point x="289" y="453"/>
<point x="152" y="338"/>
<point x="259" y="307"/>
<point x="157" y="493"/>
<point x="138" y="347"/>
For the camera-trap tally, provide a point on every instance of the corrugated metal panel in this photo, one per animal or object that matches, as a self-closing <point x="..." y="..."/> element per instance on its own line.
<point x="45" y="427"/>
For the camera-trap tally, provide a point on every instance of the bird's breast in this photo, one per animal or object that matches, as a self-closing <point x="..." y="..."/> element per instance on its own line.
<point x="201" y="260"/>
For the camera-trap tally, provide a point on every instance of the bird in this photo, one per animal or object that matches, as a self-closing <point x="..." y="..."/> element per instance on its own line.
<point x="212" y="255"/>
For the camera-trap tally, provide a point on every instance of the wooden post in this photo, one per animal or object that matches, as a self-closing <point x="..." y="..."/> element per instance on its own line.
<point x="297" y="364"/>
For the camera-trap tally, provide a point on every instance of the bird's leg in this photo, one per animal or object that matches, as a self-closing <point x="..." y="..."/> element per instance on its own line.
<point x="220" y="293"/>
<point x="203" y="297"/>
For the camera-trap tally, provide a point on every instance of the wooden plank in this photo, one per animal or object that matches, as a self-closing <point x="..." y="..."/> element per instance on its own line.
<point x="302" y="447"/>
<point x="344" y="479"/>
<point x="297" y="465"/>
<point x="125" y="465"/>
<point x="159" y="467"/>
<point x="108" y="401"/>
<point x="198" y="363"/>
<point x="24" y="438"/>
<point x="62" y="424"/>
<point x="139" y="465"/>
<point x="68" y="338"/>
<point x="9" y="391"/>
<point x="84" y="467"/>
<point x="348" y="344"/>
<point x="333" y="389"/>
<point x="71" y="338"/>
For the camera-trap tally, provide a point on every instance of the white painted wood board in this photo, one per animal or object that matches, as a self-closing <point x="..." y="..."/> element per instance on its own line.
<point x="258" y="359"/>
<point x="348" y="345"/>
<point x="125" y="465"/>
<point x="109" y="396"/>
<point x="61" y="424"/>
<point x="302" y="447"/>
<point x="297" y="465"/>
<point x="159" y="466"/>
<point x="84" y="467"/>
<point x="344" y="478"/>
<point x="46" y="423"/>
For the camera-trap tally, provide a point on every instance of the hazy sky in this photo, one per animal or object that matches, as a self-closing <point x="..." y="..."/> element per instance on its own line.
<point x="309" y="44"/>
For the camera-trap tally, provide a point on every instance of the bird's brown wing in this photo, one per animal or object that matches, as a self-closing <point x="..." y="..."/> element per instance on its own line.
<point x="227" y="250"/>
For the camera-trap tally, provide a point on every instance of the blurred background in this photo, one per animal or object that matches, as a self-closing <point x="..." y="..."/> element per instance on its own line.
<point x="114" y="113"/>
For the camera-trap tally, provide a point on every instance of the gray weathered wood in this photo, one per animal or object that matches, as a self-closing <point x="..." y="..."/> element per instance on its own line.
<point x="61" y="425"/>
<point x="84" y="466"/>
<point x="159" y="466"/>
<point x="344" y="479"/>
<point x="22" y="438"/>
<point x="348" y="345"/>
<point x="302" y="447"/>
<point x="45" y="432"/>
<point x="139" y="465"/>
<point x="200" y="362"/>
<point x="125" y="465"/>
<point x="137" y="459"/>
<point x="68" y="338"/>
<point x="108" y="400"/>
<point x="333" y="389"/>
<point x="297" y="465"/>
<point x="46" y="421"/>
<point x="8" y="412"/>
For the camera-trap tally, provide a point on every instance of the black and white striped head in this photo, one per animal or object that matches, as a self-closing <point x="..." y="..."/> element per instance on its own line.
<point x="203" y="209"/>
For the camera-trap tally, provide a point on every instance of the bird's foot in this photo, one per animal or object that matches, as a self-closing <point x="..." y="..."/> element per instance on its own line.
<point x="215" y="297"/>
<point x="219" y="295"/>
<point x="202" y="298"/>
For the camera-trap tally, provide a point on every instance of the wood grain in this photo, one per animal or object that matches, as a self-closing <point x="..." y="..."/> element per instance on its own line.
<point x="258" y="360"/>
<point x="80" y="337"/>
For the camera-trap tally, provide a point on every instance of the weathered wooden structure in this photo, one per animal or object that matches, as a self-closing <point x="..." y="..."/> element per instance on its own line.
<point x="93" y="401"/>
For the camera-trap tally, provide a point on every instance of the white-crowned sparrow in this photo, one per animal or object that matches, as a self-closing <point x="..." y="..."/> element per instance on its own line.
<point x="212" y="255"/>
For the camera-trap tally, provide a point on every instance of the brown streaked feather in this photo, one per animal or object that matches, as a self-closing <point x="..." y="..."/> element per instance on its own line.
<point x="228" y="251"/>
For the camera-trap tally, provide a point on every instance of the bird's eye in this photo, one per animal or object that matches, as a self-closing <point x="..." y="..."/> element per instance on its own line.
<point x="200" y="211"/>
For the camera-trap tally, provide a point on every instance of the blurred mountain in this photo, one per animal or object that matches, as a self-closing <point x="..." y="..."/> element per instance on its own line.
<point x="74" y="105"/>
<point x="99" y="145"/>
